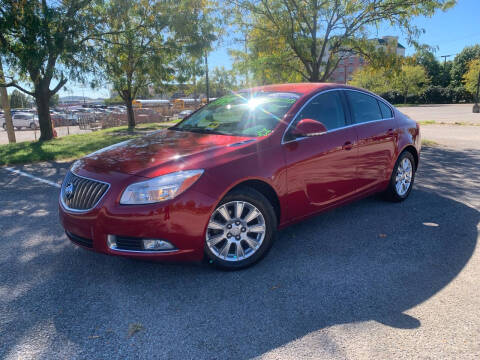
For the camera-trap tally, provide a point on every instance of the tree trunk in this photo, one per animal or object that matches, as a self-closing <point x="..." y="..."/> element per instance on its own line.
<point x="6" y="108"/>
<point x="42" y="99"/>
<point x="315" y="75"/>
<point x="130" y="113"/>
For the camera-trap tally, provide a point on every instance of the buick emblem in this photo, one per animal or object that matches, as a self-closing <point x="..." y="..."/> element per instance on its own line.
<point x="69" y="190"/>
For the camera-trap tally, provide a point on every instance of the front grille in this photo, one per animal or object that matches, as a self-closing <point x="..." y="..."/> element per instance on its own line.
<point x="129" y="243"/>
<point x="81" y="194"/>
<point x="80" y="240"/>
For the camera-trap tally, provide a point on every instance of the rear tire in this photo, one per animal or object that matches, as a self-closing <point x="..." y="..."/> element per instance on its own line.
<point x="403" y="176"/>
<point x="32" y="126"/>
<point x="229" y="244"/>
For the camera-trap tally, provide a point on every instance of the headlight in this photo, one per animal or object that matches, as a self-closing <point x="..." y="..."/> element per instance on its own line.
<point x="160" y="188"/>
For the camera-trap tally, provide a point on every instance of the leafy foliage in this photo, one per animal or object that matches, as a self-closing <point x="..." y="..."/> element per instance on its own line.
<point x="461" y="61"/>
<point x="319" y="33"/>
<point x="472" y="78"/>
<point x="19" y="100"/>
<point x="146" y="44"/>
<point x="405" y="78"/>
<point x="44" y="41"/>
<point x="438" y="74"/>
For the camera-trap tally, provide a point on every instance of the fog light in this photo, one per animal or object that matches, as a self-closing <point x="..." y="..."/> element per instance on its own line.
<point x="111" y="241"/>
<point x="153" y="244"/>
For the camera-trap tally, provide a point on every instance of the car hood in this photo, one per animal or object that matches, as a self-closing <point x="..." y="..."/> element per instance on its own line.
<point x="163" y="152"/>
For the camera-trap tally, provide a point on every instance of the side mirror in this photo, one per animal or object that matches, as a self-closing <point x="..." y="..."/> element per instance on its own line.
<point x="308" y="127"/>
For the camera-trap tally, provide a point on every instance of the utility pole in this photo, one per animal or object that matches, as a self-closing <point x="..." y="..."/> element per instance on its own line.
<point x="445" y="59"/>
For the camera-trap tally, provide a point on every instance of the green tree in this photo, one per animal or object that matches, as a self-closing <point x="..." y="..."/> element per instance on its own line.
<point x="461" y="61"/>
<point x="434" y="69"/>
<point x="209" y="30"/>
<point x="54" y="100"/>
<point x="472" y="81"/>
<point x="372" y="78"/>
<point x="406" y="78"/>
<point x="18" y="100"/>
<point x="43" y="42"/>
<point x="319" y="33"/>
<point x="267" y="59"/>
<point x="411" y="80"/>
<point x="146" y="41"/>
<point x="222" y="82"/>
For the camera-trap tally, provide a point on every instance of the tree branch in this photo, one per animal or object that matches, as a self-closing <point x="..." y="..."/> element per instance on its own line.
<point x="62" y="82"/>
<point x="15" y="85"/>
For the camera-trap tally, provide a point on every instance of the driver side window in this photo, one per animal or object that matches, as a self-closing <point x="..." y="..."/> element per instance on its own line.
<point x="326" y="108"/>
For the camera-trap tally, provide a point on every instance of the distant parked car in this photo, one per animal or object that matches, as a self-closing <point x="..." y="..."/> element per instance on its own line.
<point x="63" y="119"/>
<point x="182" y="115"/>
<point x="22" y="120"/>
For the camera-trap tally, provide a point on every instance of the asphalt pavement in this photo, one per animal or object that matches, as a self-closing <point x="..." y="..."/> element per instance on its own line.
<point x="371" y="280"/>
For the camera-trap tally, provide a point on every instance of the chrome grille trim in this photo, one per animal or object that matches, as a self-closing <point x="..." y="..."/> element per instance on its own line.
<point x="87" y="193"/>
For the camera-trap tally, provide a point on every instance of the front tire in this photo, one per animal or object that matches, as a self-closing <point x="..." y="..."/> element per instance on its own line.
<point x="403" y="175"/>
<point x="241" y="230"/>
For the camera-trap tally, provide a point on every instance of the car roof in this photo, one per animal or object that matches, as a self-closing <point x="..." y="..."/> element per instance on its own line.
<point x="303" y="88"/>
<point x="300" y="88"/>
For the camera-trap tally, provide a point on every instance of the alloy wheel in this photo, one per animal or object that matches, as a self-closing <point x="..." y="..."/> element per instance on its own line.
<point x="235" y="231"/>
<point x="403" y="178"/>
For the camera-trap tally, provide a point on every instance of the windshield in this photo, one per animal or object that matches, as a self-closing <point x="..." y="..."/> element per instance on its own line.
<point x="241" y="114"/>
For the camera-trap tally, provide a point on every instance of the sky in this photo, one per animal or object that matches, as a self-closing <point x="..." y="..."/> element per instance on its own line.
<point x="448" y="31"/>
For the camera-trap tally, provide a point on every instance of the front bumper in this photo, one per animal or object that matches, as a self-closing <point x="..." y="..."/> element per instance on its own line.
<point x="181" y="221"/>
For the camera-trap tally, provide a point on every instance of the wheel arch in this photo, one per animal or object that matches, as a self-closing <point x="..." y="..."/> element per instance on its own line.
<point x="265" y="189"/>
<point x="411" y="149"/>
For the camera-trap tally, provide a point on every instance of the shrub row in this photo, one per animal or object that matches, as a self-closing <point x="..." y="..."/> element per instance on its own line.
<point x="432" y="95"/>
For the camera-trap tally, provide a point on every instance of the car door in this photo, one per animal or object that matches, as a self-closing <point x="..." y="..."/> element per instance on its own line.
<point x="375" y="128"/>
<point x="320" y="169"/>
<point x="27" y="119"/>
<point x="16" y="122"/>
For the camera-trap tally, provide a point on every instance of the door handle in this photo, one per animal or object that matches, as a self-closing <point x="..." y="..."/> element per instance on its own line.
<point x="347" y="146"/>
<point x="390" y="132"/>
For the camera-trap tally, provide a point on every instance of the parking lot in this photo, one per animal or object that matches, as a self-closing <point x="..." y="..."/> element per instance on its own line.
<point x="371" y="280"/>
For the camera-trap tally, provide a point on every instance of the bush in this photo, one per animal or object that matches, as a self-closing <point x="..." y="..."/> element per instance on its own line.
<point x="393" y="97"/>
<point x="432" y="95"/>
<point x="460" y="94"/>
<point x="438" y="95"/>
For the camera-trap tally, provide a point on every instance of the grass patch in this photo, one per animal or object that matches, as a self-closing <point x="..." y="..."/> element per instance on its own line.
<point x="407" y="105"/>
<point x="456" y="123"/>
<point x="72" y="146"/>
<point x="427" y="122"/>
<point x="430" y="143"/>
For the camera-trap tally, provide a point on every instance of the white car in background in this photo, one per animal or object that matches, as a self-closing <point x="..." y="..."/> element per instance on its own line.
<point x="22" y="120"/>
<point x="183" y="114"/>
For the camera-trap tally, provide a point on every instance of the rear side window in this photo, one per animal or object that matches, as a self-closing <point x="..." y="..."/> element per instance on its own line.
<point x="364" y="107"/>
<point x="326" y="108"/>
<point x="385" y="109"/>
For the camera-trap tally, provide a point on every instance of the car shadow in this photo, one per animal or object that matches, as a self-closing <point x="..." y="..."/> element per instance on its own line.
<point x="371" y="260"/>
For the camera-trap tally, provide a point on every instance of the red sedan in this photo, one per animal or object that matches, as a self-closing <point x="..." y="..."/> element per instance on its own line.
<point x="220" y="183"/>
